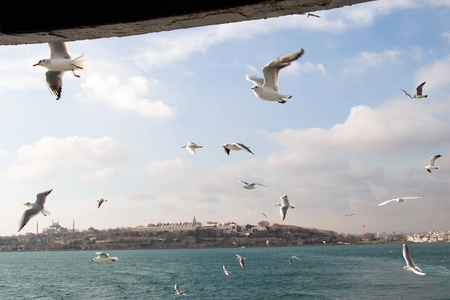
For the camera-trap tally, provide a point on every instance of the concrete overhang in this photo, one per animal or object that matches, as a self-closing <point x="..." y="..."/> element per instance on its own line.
<point x="28" y="22"/>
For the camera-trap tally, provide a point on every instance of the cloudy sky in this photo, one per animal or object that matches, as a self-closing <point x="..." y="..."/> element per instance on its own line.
<point x="347" y="140"/>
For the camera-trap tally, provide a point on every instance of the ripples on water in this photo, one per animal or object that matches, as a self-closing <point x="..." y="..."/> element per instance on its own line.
<point x="324" y="272"/>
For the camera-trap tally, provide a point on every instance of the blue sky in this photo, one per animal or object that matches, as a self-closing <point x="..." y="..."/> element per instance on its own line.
<point x="346" y="141"/>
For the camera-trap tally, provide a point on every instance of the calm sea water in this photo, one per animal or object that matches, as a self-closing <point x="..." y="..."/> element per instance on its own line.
<point x="324" y="272"/>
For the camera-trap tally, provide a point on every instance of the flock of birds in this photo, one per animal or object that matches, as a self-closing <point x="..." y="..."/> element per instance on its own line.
<point x="265" y="88"/>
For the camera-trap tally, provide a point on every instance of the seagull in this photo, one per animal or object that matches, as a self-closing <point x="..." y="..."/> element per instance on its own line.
<point x="292" y="258"/>
<point x="284" y="205"/>
<point x="100" y="202"/>
<point x="267" y="88"/>
<point x="410" y="266"/>
<point x="179" y="292"/>
<point x="431" y="165"/>
<point x="34" y="209"/>
<point x="352" y="214"/>
<point x="264" y="215"/>
<point x="241" y="260"/>
<point x="418" y="94"/>
<point x="59" y="62"/>
<point x="225" y="270"/>
<point x="191" y="146"/>
<point x="399" y="200"/>
<point x="236" y="147"/>
<point x="104" y="257"/>
<point x="312" y="15"/>
<point x="249" y="186"/>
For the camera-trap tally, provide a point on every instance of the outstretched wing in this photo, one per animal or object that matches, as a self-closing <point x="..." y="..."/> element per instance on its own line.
<point x="26" y="216"/>
<point x="58" y="50"/>
<point x="419" y="88"/>
<point x="272" y="69"/>
<point x="242" y="146"/>
<point x="40" y="198"/>
<point x="257" y="81"/>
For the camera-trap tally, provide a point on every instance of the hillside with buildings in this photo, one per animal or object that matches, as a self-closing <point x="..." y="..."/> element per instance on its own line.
<point x="194" y="235"/>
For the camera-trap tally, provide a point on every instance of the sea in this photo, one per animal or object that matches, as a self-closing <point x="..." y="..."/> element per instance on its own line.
<point x="323" y="272"/>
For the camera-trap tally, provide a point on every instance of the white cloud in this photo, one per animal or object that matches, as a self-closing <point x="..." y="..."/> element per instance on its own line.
<point x="174" y="167"/>
<point x="43" y="159"/>
<point x="126" y="97"/>
<point x="436" y="74"/>
<point x="102" y="175"/>
<point x="366" y="60"/>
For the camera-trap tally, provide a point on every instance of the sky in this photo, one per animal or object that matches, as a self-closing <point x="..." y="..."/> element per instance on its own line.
<point x="347" y="140"/>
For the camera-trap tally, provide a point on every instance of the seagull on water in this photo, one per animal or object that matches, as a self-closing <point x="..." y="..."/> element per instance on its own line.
<point x="431" y="163"/>
<point x="418" y="94"/>
<point x="34" y="209"/>
<point x="59" y="62"/>
<point x="225" y="270"/>
<point x="284" y="205"/>
<point x="104" y="257"/>
<point x="241" y="260"/>
<point x="179" y="291"/>
<point x="292" y="258"/>
<point x="410" y="266"/>
<point x="267" y="88"/>
<point x="399" y="200"/>
<point x="250" y="186"/>
<point x="191" y="146"/>
<point x="236" y="147"/>
<point x="100" y="202"/>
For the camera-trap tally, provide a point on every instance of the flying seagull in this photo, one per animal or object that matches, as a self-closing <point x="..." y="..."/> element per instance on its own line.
<point x="241" y="260"/>
<point x="179" y="292"/>
<point x="431" y="165"/>
<point x="236" y="147"/>
<point x="250" y="186"/>
<point x="264" y="215"/>
<point x="311" y="15"/>
<point x="225" y="270"/>
<point x="59" y="62"/>
<point x="410" y="266"/>
<point x="267" y="88"/>
<point x="34" y="209"/>
<point x="284" y="205"/>
<point x="399" y="200"/>
<point x="191" y="146"/>
<point x="292" y="258"/>
<point x="100" y="202"/>
<point x="418" y="93"/>
<point x="349" y="215"/>
<point x="104" y="257"/>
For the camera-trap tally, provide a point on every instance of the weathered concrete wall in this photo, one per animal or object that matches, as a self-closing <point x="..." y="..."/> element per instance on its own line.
<point x="40" y="22"/>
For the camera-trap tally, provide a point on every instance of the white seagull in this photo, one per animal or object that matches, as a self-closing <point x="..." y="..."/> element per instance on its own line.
<point x="104" y="257"/>
<point x="284" y="205"/>
<point x="249" y="186"/>
<point x="236" y="147"/>
<point x="34" y="209"/>
<point x="410" y="266"/>
<point x="241" y="260"/>
<point x="225" y="270"/>
<point x="431" y="163"/>
<point x="399" y="200"/>
<point x="59" y="62"/>
<point x="179" y="291"/>
<point x="292" y="258"/>
<point x="311" y="15"/>
<point x="100" y="202"/>
<point x="267" y="88"/>
<point x="349" y="215"/>
<point x="191" y="146"/>
<point x="418" y="93"/>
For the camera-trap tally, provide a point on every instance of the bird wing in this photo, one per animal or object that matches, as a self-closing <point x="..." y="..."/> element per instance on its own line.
<point x="242" y="146"/>
<point x="190" y="148"/>
<point x="243" y="182"/>
<point x="386" y="202"/>
<point x="26" y="216"/>
<point x="257" y="81"/>
<point x="284" y="200"/>
<point x="102" y="254"/>
<point x="40" y="198"/>
<point x="272" y="69"/>
<point x="406" y="94"/>
<point x="419" y="88"/>
<point x="433" y="159"/>
<point x="54" y="82"/>
<point x="407" y="257"/>
<point x="409" y="198"/>
<point x="283" y="211"/>
<point x="226" y="150"/>
<point x="312" y="15"/>
<point x="58" y="50"/>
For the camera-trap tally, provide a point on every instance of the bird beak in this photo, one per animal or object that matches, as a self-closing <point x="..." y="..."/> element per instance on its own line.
<point x="36" y="65"/>
<point x="253" y="88"/>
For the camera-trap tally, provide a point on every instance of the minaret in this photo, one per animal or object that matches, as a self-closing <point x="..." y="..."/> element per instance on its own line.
<point x="194" y="222"/>
<point x="37" y="228"/>
<point x="73" y="225"/>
